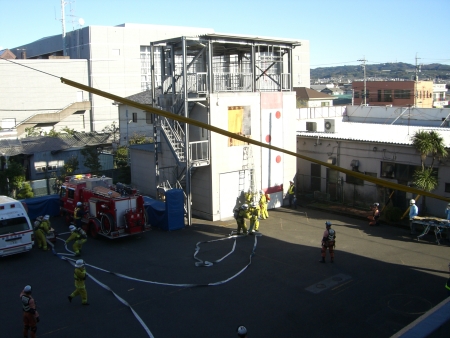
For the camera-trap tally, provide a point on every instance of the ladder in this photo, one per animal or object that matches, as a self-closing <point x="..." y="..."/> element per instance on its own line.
<point x="247" y="165"/>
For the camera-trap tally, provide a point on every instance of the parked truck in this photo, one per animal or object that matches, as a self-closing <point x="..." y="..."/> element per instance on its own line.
<point x="111" y="211"/>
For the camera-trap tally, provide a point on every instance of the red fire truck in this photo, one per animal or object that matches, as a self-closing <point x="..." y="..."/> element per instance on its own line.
<point x="111" y="211"/>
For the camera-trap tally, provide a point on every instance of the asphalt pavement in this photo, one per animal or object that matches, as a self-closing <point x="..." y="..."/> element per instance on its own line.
<point x="382" y="280"/>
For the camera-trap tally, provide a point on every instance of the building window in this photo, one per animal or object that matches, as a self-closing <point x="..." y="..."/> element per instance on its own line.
<point x="146" y="79"/>
<point x="353" y="180"/>
<point x="379" y="95"/>
<point x="135" y="118"/>
<point x="149" y="118"/>
<point x="402" y="94"/>
<point x="387" y="95"/>
<point x="447" y="187"/>
<point x="356" y="95"/>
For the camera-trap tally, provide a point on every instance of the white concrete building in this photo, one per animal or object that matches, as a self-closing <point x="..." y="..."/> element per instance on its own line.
<point x="116" y="59"/>
<point x="241" y="84"/>
<point x="375" y="141"/>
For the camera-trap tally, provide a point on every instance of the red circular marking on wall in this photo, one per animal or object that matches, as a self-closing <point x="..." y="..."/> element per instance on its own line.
<point x="268" y="138"/>
<point x="278" y="159"/>
<point x="277" y="114"/>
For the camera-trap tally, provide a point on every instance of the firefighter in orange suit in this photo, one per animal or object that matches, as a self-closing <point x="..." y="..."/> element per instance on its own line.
<point x="328" y="241"/>
<point x="30" y="314"/>
<point x="80" y="276"/>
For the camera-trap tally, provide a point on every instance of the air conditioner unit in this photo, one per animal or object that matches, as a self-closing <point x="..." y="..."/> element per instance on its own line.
<point x="311" y="126"/>
<point x="329" y="126"/>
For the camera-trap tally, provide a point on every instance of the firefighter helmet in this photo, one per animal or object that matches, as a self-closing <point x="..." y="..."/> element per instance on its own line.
<point x="79" y="263"/>
<point x="244" y="206"/>
<point x="412" y="202"/>
<point x="254" y="204"/>
<point x="376" y="205"/>
<point x="27" y="289"/>
<point x="72" y="228"/>
<point x="241" y="330"/>
<point x="79" y="204"/>
<point x="328" y="224"/>
<point x="261" y="192"/>
<point x="46" y="217"/>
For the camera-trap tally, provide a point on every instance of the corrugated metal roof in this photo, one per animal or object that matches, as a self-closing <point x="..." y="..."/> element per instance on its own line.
<point x="31" y="145"/>
<point x="380" y="133"/>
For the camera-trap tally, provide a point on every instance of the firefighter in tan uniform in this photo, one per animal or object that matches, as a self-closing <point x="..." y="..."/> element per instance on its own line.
<point x="240" y="214"/>
<point x="30" y="314"/>
<point x="254" y="217"/>
<point x="41" y="230"/>
<point x="78" y="235"/>
<point x="80" y="276"/>
<point x="328" y="242"/>
<point x="263" y="205"/>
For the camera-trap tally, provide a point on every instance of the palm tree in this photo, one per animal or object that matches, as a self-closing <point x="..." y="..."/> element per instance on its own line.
<point x="423" y="144"/>
<point x="428" y="143"/>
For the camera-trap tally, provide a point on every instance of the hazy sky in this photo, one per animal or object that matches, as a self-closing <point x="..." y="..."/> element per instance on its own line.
<point x="340" y="32"/>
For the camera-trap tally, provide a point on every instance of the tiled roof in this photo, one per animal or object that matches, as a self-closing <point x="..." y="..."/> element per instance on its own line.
<point x="380" y="133"/>
<point x="31" y="145"/>
<point x="308" y="94"/>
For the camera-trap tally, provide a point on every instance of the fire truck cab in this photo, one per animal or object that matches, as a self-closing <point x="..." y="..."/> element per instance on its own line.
<point x="110" y="210"/>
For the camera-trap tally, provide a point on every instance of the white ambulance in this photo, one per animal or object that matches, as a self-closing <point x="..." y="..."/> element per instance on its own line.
<point x="16" y="231"/>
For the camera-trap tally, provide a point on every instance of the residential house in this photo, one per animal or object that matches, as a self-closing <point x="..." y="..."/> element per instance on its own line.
<point x="307" y="97"/>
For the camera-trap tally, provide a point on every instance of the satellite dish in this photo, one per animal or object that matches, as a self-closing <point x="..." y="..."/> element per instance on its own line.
<point x="81" y="21"/>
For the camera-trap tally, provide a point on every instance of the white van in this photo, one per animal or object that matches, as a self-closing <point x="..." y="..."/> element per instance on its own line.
<point x="16" y="231"/>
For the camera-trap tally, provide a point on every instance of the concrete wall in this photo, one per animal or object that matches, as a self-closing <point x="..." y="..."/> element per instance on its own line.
<point x="24" y="92"/>
<point x="127" y="129"/>
<point x="369" y="161"/>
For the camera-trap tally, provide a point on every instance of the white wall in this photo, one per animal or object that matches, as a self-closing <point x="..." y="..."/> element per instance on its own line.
<point x="25" y="92"/>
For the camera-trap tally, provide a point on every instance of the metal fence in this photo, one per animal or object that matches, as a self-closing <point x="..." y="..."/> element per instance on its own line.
<point x="361" y="195"/>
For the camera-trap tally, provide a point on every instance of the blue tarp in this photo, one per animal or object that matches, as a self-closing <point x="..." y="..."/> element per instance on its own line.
<point x="167" y="215"/>
<point x="156" y="212"/>
<point x="40" y="206"/>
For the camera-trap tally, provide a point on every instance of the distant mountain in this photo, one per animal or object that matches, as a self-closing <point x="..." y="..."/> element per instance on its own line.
<point x="384" y="71"/>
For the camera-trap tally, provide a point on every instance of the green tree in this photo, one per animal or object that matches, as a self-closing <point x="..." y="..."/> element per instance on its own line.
<point x="11" y="179"/>
<point x="92" y="159"/>
<point x="69" y="131"/>
<point x="427" y="143"/>
<point x="71" y="165"/>
<point x="121" y="156"/>
<point x="33" y="131"/>
<point x="137" y="138"/>
<point x="25" y="191"/>
<point x="52" y="133"/>
<point x="112" y="129"/>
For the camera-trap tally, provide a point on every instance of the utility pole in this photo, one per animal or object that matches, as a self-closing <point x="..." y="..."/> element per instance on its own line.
<point x="364" y="68"/>
<point x="63" y="21"/>
<point x="416" y="79"/>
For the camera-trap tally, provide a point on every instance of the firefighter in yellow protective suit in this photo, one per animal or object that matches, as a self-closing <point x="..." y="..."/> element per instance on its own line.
<point x="254" y="217"/>
<point x="80" y="276"/>
<point x="248" y="197"/>
<point x="41" y="230"/>
<point x="79" y="237"/>
<point x="240" y="215"/>
<point x="263" y="205"/>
